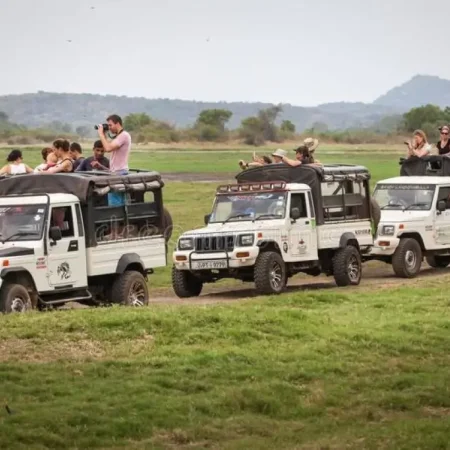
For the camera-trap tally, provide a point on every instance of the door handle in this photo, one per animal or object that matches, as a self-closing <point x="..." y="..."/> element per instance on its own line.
<point x="307" y="222"/>
<point x="73" y="246"/>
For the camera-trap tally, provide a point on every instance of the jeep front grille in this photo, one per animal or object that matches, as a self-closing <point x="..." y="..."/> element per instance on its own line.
<point x="214" y="244"/>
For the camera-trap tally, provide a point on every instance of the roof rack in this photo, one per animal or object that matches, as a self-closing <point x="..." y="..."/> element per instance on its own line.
<point x="81" y="184"/>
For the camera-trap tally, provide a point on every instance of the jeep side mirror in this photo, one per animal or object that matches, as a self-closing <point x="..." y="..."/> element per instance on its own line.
<point x="295" y="213"/>
<point x="442" y="205"/>
<point x="55" y="234"/>
<point x="207" y="217"/>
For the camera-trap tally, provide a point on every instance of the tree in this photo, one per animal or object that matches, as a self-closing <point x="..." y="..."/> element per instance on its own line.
<point x="287" y="126"/>
<point x="4" y="117"/>
<point x="136" y="121"/>
<point x="83" y="131"/>
<point x="417" y="117"/>
<point x="252" y="131"/>
<point x="214" y="117"/>
<point x="267" y="118"/>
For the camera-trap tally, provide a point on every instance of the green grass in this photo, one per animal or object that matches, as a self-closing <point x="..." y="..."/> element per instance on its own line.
<point x="310" y="370"/>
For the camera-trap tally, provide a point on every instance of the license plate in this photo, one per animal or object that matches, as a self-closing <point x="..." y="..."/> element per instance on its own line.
<point x="201" y="265"/>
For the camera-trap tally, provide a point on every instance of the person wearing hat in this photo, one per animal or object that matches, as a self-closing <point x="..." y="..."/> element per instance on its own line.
<point x="311" y="143"/>
<point x="278" y="156"/>
<point x="443" y="145"/>
<point x="302" y="156"/>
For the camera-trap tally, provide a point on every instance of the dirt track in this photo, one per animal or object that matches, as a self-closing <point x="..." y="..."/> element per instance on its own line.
<point x="375" y="275"/>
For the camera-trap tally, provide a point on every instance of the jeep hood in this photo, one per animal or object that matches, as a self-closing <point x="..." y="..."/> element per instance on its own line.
<point x="242" y="226"/>
<point x="403" y="216"/>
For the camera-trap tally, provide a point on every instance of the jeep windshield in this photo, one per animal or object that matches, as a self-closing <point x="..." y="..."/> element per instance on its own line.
<point x="251" y="206"/>
<point x="22" y="222"/>
<point x="404" y="196"/>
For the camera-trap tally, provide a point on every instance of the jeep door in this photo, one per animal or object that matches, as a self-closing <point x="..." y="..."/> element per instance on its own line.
<point x="67" y="257"/>
<point x="442" y="219"/>
<point x="302" y="231"/>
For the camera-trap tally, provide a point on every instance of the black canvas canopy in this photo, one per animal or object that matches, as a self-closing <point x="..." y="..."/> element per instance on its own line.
<point x="82" y="185"/>
<point x="433" y="165"/>
<point x="310" y="175"/>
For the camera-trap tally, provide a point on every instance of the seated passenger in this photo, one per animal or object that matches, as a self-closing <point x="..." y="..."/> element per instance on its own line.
<point x="49" y="157"/>
<point x="420" y="146"/>
<point x="76" y="153"/>
<point x="65" y="161"/>
<point x="302" y="156"/>
<point x="96" y="162"/>
<point x="15" y="164"/>
<point x="312" y="144"/>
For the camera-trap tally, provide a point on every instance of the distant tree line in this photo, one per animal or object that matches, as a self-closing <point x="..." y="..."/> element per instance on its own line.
<point x="211" y="126"/>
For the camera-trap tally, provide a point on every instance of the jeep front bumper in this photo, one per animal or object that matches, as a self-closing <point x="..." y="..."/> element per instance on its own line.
<point x="192" y="260"/>
<point x="385" y="246"/>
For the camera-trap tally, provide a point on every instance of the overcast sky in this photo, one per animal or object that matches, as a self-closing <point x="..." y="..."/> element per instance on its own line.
<point x="291" y="51"/>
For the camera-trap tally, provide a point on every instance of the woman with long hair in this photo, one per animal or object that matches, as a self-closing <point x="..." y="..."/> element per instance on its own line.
<point x="15" y="164"/>
<point x="65" y="161"/>
<point x="419" y="146"/>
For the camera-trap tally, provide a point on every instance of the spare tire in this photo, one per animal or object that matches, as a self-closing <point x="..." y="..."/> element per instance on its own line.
<point x="167" y="225"/>
<point x="376" y="212"/>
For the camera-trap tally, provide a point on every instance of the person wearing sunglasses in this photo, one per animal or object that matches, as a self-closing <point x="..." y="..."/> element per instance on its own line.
<point x="443" y="145"/>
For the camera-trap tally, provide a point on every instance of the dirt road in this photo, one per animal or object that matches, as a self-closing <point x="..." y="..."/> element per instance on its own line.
<point x="376" y="275"/>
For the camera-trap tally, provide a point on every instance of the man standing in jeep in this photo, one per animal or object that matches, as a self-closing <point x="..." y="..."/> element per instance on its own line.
<point x="119" y="146"/>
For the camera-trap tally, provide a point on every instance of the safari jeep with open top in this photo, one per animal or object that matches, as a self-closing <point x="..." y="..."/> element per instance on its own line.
<point x="415" y="216"/>
<point x="61" y="242"/>
<point x="278" y="221"/>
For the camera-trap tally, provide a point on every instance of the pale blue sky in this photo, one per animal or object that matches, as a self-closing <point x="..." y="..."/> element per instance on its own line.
<point x="291" y="51"/>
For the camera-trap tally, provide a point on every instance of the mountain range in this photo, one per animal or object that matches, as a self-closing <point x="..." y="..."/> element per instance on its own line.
<point x="41" y="108"/>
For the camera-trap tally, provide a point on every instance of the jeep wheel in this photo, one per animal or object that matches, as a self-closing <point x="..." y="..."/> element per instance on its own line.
<point x="347" y="266"/>
<point x="14" y="298"/>
<point x="407" y="258"/>
<point x="185" y="284"/>
<point x="270" y="273"/>
<point x="130" y="289"/>
<point x="438" y="261"/>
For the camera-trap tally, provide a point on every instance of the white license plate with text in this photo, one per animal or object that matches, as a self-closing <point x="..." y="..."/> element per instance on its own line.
<point x="202" y="265"/>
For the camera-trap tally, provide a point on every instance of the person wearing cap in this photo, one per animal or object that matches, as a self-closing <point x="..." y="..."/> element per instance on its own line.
<point x="420" y="146"/>
<point x="443" y="145"/>
<point x="302" y="156"/>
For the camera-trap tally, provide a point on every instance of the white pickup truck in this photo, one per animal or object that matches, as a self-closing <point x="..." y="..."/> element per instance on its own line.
<point x="415" y="218"/>
<point x="278" y="221"/>
<point x="60" y="241"/>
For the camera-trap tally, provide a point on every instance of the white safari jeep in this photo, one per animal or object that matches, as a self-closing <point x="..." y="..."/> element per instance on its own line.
<point x="278" y="221"/>
<point x="61" y="242"/>
<point x="415" y="222"/>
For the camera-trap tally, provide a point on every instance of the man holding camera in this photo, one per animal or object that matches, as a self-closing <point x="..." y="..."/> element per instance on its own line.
<point x="119" y="146"/>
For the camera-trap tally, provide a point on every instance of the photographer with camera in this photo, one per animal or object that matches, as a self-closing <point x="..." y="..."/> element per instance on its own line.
<point x="119" y="146"/>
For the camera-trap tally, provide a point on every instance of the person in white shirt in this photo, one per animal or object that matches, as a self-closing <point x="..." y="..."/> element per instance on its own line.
<point x="15" y="164"/>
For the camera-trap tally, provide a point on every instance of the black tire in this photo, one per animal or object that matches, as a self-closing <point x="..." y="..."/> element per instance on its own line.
<point x="14" y="298"/>
<point x="376" y="212"/>
<point x="185" y="284"/>
<point x="347" y="266"/>
<point x="270" y="273"/>
<point x="130" y="289"/>
<point x="438" y="262"/>
<point x="167" y="225"/>
<point x="407" y="258"/>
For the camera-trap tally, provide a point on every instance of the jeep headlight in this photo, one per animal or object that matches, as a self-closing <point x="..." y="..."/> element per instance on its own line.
<point x="387" y="230"/>
<point x="246" y="240"/>
<point x="186" y="244"/>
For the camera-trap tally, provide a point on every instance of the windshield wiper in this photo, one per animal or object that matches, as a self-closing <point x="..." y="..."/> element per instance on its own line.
<point x="19" y="233"/>
<point x="393" y="205"/>
<point x="265" y="216"/>
<point x="416" y="204"/>
<point x="236" y="216"/>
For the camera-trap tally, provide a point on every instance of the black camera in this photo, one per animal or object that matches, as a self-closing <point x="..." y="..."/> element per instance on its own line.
<point x="104" y="125"/>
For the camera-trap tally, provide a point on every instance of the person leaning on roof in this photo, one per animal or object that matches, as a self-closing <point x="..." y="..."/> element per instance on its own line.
<point x="302" y="156"/>
<point x="278" y="156"/>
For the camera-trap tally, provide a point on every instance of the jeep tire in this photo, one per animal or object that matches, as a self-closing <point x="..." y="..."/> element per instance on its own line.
<point x="14" y="298"/>
<point x="407" y="258"/>
<point x="438" y="261"/>
<point x="270" y="273"/>
<point x="130" y="289"/>
<point x="347" y="266"/>
<point x="185" y="284"/>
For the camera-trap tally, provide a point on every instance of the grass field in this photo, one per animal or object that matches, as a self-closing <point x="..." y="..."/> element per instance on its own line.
<point x="359" y="368"/>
